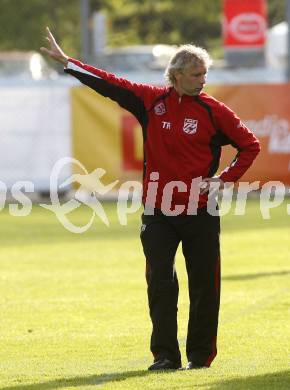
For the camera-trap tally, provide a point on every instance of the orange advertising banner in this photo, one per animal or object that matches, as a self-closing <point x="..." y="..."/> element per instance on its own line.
<point x="265" y="110"/>
<point x="108" y="137"/>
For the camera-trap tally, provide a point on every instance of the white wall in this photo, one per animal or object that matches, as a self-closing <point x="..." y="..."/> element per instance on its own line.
<point x="35" y="132"/>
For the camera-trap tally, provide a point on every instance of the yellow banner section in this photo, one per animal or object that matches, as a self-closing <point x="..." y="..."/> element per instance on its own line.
<point x="105" y="136"/>
<point x="108" y="137"/>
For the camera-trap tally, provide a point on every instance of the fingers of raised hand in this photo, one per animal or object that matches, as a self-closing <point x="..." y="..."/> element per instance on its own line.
<point x="48" y="39"/>
<point x="50" y="36"/>
<point x="49" y="32"/>
<point x="45" y="50"/>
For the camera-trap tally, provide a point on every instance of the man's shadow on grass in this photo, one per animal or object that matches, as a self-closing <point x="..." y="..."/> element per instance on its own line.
<point x="92" y="380"/>
<point x="274" y="381"/>
<point x="256" y="276"/>
<point x="278" y="381"/>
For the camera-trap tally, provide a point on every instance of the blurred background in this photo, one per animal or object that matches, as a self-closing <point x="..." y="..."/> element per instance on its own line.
<point x="46" y="115"/>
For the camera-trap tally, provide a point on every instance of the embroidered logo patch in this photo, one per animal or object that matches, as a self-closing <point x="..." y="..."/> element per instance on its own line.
<point x="190" y="125"/>
<point x="160" y="109"/>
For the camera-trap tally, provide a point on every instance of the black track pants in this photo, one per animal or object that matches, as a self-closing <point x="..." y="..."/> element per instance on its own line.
<point x="160" y="237"/>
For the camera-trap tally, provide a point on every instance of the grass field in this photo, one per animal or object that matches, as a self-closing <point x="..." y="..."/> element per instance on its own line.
<point x="74" y="307"/>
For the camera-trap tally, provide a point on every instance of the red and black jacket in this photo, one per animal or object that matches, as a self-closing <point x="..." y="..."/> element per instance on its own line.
<point x="182" y="136"/>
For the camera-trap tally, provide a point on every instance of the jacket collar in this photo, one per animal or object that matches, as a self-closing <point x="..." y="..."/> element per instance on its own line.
<point x="183" y="98"/>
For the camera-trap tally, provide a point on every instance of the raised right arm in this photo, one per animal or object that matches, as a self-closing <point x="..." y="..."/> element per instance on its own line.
<point x="127" y="94"/>
<point x="134" y="97"/>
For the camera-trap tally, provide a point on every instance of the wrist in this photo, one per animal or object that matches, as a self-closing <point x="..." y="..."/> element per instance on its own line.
<point x="64" y="60"/>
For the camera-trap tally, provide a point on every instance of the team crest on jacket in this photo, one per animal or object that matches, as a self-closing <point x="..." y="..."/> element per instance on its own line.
<point x="160" y="108"/>
<point x="190" y="125"/>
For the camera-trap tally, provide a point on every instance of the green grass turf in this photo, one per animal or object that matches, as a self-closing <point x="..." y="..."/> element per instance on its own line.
<point x="74" y="307"/>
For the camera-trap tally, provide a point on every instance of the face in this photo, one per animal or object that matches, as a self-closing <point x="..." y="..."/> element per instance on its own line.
<point x="191" y="80"/>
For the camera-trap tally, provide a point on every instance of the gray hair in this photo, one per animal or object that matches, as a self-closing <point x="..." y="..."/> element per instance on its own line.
<point x="186" y="55"/>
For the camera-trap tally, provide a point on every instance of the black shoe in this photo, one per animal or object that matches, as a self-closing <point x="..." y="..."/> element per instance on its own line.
<point x="193" y="366"/>
<point x="164" y="364"/>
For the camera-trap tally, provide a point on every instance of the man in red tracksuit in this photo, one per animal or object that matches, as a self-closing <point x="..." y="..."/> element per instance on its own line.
<point x="183" y="132"/>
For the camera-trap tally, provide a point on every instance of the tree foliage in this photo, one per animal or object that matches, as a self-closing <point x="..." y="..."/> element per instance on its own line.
<point x="22" y="22"/>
